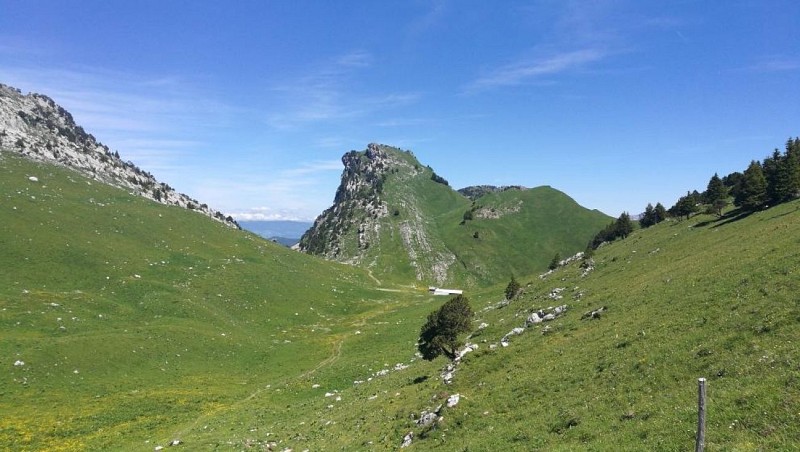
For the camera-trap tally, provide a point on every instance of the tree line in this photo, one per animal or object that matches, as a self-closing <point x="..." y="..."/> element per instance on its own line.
<point x="770" y="182"/>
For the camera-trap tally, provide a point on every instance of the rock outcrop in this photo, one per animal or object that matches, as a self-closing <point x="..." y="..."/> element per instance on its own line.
<point x="34" y="126"/>
<point x="357" y="206"/>
<point x="361" y="220"/>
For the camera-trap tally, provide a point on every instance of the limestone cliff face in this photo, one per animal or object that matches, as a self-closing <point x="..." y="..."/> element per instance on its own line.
<point x="380" y="220"/>
<point x="33" y="125"/>
<point x="404" y="222"/>
<point x="357" y="206"/>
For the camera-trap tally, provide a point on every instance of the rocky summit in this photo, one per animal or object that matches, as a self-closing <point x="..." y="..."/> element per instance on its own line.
<point x="398" y="217"/>
<point x="34" y="126"/>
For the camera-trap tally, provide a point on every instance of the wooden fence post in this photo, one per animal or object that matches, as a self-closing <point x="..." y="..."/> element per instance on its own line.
<point x="701" y="415"/>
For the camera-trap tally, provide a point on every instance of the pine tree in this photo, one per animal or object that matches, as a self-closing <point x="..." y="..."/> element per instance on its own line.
<point x="733" y="182"/>
<point x="660" y="213"/>
<point x="753" y="193"/>
<point x="512" y="288"/>
<point x="439" y="335"/>
<point x="685" y="206"/>
<point x="554" y="262"/>
<point x="623" y="226"/>
<point x="649" y="217"/>
<point x="790" y="170"/>
<point x="716" y="195"/>
<point x="771" y="167"/>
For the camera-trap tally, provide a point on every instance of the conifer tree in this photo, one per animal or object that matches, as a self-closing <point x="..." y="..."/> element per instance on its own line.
<point x="623" y="226"/>
<point x="771" y="167"/>
<point x="685" y="206"/>
<point x="789" y="173"/>
<point x="660" y="213"/>
<point x="753" y="193"/>
<point x="439" y="335"/>
<point x="554" y="262"/>
<point x="716" y="194"/>
<point x="649" y="217"/>
<point x="512" y="288"/>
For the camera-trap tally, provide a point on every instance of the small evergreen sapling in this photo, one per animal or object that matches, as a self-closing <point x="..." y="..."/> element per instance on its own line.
<point x="512" y="288"/>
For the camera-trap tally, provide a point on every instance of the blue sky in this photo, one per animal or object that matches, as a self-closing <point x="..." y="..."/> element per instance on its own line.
<point x="249" y="105"/>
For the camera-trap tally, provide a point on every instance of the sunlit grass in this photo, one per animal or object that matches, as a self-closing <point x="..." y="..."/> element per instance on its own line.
<point x="157" y="324"/>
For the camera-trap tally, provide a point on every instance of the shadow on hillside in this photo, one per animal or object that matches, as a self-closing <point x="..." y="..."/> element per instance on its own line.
<point x="732" y="216"/>
<point x="728" y="218"/>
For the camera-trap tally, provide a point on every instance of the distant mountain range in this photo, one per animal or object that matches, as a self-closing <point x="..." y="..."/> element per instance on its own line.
<point x="284" y="232"/>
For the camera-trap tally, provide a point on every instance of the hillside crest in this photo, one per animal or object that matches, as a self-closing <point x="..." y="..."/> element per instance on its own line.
<point x="402" y="220"/>
<point x="34" y="126"/>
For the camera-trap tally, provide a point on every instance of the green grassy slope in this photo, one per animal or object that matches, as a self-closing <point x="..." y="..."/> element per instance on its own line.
<point x="424" y="238"/>
<point x="175" y="326"/>
<point x="420" y="203"/>
<point x="699" y="298"/>
<point x="548" y="222"/>
<point x="134" y="320"/>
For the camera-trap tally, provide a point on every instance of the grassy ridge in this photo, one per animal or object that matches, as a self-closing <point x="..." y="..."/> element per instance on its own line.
<point x="547" y="222"/>
<point x="700" y="298"/>
<point x="532" y="225"/>
<point x="175" y="326"/>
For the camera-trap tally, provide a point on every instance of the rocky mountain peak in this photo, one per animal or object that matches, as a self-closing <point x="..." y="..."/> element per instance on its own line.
<point x="358" y="204"/>
<point x="34" y="126"/>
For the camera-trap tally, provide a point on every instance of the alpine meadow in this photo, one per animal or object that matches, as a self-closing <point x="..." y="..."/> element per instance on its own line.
<point x="129" y="323"/>
<point x="433" y="225"/>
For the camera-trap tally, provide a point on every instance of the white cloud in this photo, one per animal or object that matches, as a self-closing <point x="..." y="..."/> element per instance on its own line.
<point x="775" y="63"/>
<point x="530" y="69"/>
<point x="157" y="122"/>
<point x="269" y="214"/>
<point x="327" y="95"/>
<point x="298" y="193"/>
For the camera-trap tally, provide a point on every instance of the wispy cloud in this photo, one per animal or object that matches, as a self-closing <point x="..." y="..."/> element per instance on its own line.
<point x="775" y="63"/>
<point x="433" y="15"/>
<point x="298" y="193"/>
<point x="357" y="59"/>
<point x="330" y="93"/>
<point x="153" y="121"/>
<point x="312" y="168"/>
<point x="529" y="70"/>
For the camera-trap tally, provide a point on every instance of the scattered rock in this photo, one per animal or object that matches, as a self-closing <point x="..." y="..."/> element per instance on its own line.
<point x="515" y="331"/>
<point x="407" y="439"/>
<point x="19" y="363"/>
<point x="427" y="418"/>
<point x="453" y="400"/>
<point x="467" y="348"/>
<point x="533" y="319"/>
<point x="447" y="374"/>
<point x="594" y="314"/>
